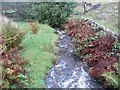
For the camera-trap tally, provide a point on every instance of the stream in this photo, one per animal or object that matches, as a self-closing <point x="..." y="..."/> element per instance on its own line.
<point x="68" y="72"/>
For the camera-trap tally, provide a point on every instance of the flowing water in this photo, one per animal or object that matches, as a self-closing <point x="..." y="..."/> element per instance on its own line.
<point x="68" y="72"/>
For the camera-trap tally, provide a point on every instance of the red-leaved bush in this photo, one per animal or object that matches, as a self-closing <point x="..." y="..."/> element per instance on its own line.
<point x="93" y="46"/>
<point x="12" y="66"/>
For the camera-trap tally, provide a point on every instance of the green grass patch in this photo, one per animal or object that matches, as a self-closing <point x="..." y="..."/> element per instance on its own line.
<point x="109" y="25"/>
<point x="106" y="15"/>
<point x="39" y="51"/>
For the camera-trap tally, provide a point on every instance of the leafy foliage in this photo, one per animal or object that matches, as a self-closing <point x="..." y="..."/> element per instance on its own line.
<point x="11" y="64"/>
<point x="52" y="13"/>
<point x="12" y="67"/>
<point x="94" y="46"/>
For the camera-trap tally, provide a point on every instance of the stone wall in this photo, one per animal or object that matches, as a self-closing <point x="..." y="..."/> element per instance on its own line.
<point x="103" y="28"/>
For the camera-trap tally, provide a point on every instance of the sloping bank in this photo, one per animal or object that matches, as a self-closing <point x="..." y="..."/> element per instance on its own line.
<point x="39" y="50"/>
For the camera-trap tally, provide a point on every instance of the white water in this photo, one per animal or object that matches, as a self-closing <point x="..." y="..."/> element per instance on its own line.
<point x="68" y="72"/>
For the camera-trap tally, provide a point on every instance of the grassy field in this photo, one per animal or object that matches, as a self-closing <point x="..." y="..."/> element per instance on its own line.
<point x="39" y="51"/>
<point x="106" y="15"/>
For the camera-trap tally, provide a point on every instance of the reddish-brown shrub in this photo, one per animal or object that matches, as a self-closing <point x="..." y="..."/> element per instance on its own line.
<point x="92" y="45"/>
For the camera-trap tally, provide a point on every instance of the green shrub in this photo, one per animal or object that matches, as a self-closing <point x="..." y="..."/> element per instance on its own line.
<point x="52" y="13"/>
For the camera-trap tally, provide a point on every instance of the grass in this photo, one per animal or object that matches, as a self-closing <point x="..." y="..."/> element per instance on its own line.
<point x="106" y="15"/>
<point x="39" y="51"/>
<point x="109" y="24"/>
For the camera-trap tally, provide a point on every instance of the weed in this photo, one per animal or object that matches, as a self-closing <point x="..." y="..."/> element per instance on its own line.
<point x="34" y="27"/>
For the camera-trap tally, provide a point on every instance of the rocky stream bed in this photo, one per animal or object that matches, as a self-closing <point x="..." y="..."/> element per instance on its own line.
<point x="69" y="72"/>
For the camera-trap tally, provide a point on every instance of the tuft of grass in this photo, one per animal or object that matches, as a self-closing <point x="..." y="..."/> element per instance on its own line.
<point x="12" y="34"/>
<point x="34" y="27"/>
<point x="111" y="79"/>
<point x="39" y="51"/>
